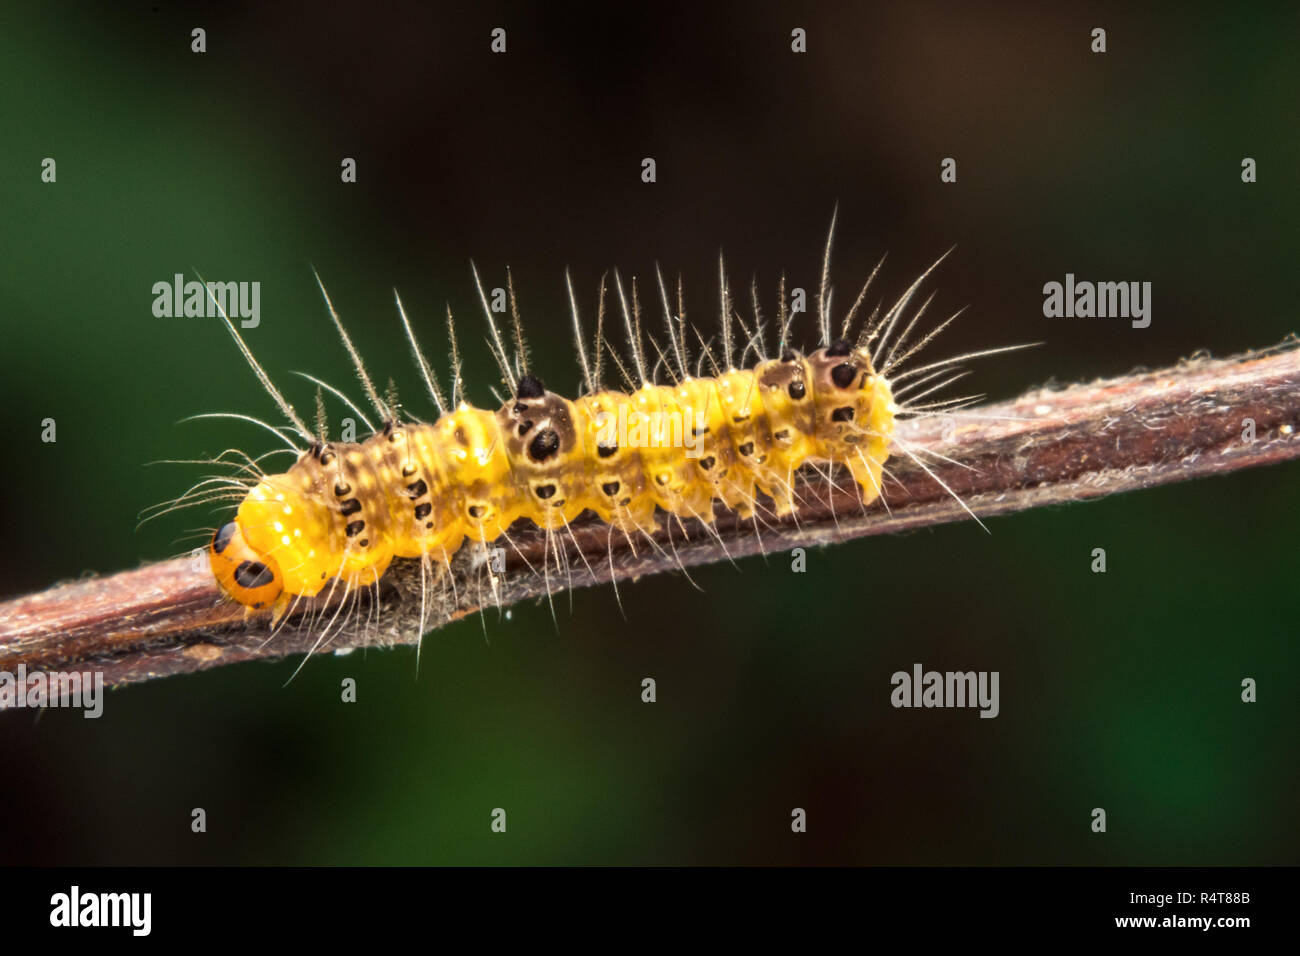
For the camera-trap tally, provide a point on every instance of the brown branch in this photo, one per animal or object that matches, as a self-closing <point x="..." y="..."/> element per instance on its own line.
<point x="1046" y="447"/>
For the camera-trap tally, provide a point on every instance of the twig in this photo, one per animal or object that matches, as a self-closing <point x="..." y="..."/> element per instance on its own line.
<point x="1046" y="447"/>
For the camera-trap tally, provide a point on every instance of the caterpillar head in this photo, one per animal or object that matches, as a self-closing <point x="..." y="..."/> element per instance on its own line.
<point x="290" y="526"/>
<point x="251" y="578"/>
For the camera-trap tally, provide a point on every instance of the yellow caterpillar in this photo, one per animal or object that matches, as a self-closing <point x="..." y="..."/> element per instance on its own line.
<point x="344" y="511"/>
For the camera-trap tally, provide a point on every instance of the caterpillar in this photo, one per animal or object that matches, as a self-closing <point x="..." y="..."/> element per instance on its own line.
<point x="345" y="510"/>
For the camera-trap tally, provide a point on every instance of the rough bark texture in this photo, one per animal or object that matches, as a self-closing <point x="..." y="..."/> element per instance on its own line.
<point x="1045" y="447"/>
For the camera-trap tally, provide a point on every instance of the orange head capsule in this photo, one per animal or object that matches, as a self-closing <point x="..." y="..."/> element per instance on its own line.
<point x="250" y="578"/>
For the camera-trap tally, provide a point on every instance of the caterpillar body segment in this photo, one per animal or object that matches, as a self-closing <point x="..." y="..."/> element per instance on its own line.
<point x="344" y="511"/>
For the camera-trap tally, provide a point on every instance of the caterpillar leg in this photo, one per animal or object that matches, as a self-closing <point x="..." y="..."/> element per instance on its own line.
<point x="867" y="473"/>
<point x="281" y="607"/>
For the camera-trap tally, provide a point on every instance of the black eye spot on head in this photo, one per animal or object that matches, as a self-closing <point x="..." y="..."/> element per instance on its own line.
<point x="544" y="444"/>
<point x="524" y="428"/>
<point x="797" y="390"/>
<point x="477" y="511"/>
<point x="661" y="479"/>
<point x="746" y="449"/>
<point x="843" y="375"/>
<point x="844" y="414"/>
<point x="530" y="387"/>
<point x="327" y="458"/>
<point x="222" y="537"/>
<point x="253" y="574"/>
<point x="604" y="451"/>
<point x="544" y="491"/>
<point x="707" y="463"/>
<point x="610" y="488"/>
<point x="782" y="435"/>
<point x="839" y="348"/>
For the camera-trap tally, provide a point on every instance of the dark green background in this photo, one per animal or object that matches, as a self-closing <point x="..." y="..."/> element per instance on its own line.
<point x="1118" y="690"/>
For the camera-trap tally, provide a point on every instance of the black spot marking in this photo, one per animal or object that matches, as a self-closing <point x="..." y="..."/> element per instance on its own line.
<point x="409" y="470"/>
<point x="477" y="511"/>
<point x="253" y="574"/>
<point x="843" y="375"/>
<point x="604" y="451"/>
<point x="355" y="528"/>
<point x="350" y="507"/>
<point x="844" y="414"/>
<point x="782" y="435"/>
<point x="625" y="502"/>
<point x="418" y="489"/>
<point x="544" y="445"/>
<point x="661" y="479"/>
<point x="422" y="510"/>
<point x="544" y="491"/>
<point x="740" y="419"/>
<point x="797" y="390"/>
<point x="342" y="490"/>
<point x="222" y="537"/>
<point x="610" y="488"/>
<point x="530" y="387"/>
<point x="788" y="356"/>
<point x="840" y="347"/>
<point x="364" y="542"/>
<point x="746" y="449"/>
<point x="524" y="428"/>
<point x="428" y="524"/>
<point x="707" y="463"/>
<point x="327" y="458"/>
